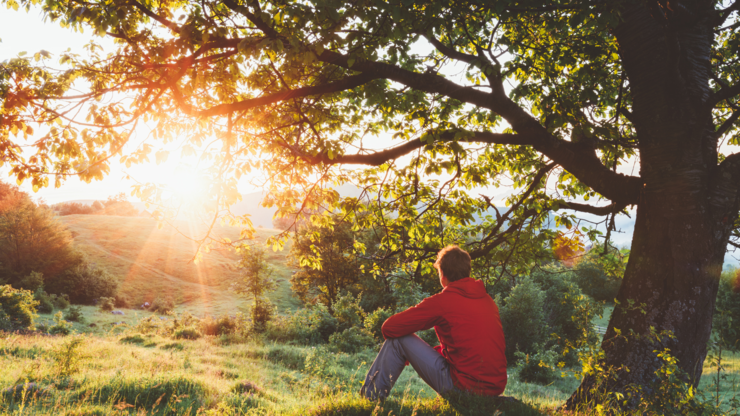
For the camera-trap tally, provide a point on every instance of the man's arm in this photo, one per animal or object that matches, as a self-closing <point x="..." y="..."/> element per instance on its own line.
<point x="425" y="315"/>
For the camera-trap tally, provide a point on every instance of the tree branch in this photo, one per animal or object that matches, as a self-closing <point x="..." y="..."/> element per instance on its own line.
<point x="724" y="93"/>
<point x="590" y="209"/>
<point x="341" y="85"/>
<point x="170" y="25"/>
<point x="727" y="124"/>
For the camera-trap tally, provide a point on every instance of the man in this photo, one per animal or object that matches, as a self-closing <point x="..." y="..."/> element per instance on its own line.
<point x="470" y="356"/>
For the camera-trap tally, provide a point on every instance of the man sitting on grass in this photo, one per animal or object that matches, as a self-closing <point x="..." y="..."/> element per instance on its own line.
<point x="470" y="356"/>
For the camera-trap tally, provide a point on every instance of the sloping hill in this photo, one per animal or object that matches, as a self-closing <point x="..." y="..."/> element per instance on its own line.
<point x="150" y="262"/>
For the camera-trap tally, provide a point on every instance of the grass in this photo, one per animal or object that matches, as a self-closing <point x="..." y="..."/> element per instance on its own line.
<point x="150" y="262"/>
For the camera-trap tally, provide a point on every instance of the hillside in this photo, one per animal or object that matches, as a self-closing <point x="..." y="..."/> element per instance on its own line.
<point x="150" y="262"/>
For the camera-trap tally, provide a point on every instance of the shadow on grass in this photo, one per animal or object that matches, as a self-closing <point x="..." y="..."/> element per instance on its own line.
<point x="458" y="405"/>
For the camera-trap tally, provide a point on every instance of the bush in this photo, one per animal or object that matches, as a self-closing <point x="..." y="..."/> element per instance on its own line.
<point x="538" y="367"/>
<point x="17" y="309"/>
<point x="106" y="304"/>
<point x="32" y="282"/>
<point x="162" y="305"/>
<point x="312" y="325"/>
<point x="523" y="318"/>
<point x="726" y="323"/>
<point x="187" y="332"/>
<point x="45" y="303"/>
<point x="593" y="281"/>
<point x="84" y="283"/>
<point x="261" y="312"/>
<point x="60" y="301"/>
<point x="374" y="322"/>
<point x="351" y="340"/>
<point x="224" y="325"/>
<point x="348" y="312"/>
<point x="74" y="314"/>
<point x="60" y="327"/>
<point x="121" y="301"/>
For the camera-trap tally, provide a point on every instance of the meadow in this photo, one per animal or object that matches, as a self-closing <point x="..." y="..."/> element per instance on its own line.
<point x="118" y="365"/>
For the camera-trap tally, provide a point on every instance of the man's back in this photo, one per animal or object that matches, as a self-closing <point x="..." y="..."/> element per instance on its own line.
<point x="468" y="326"/>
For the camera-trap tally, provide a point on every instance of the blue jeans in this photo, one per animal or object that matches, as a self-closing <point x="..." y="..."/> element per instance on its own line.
<point x="432" y="367"/>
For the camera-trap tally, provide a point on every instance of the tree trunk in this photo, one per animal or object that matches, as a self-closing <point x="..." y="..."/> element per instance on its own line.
<point x="685" y="212"/>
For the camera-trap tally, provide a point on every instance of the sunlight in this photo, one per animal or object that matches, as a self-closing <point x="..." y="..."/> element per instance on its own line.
<point x="185" y="185"/>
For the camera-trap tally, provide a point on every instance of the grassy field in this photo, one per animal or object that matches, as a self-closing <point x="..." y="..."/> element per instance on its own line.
<point x="150" y="262"/>
<point x="109" y="366"/>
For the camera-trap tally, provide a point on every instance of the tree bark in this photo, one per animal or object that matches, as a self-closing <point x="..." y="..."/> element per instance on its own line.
<point x="682" y="228"/>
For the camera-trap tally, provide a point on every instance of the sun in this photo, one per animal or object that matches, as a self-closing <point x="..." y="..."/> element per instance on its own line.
<point x="185" y="185"/>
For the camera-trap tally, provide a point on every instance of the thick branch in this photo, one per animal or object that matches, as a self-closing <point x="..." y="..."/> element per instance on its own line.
<point x="727" y="124"/>
<point x="724" y="93"/>
<point x="590" y="209"/>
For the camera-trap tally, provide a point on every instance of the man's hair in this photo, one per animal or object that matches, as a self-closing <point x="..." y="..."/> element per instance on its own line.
<point x="454" y="263"/>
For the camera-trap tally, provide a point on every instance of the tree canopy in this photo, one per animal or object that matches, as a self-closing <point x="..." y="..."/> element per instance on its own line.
<point x="427" y="107"/>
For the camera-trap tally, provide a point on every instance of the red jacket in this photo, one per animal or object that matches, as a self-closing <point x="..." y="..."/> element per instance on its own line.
<point x="469" y="329"/>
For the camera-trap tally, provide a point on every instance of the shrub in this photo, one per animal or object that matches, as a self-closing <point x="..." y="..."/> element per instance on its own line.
<point x="121" y="301"/>
<point x="106" y="304"/>
<point x="261" y="311"/>
<point x="60" y="327"/>
<point x="32" y="282"/>
<point x="84" y="283"/>
<point x="523" y="319"/>
<point x="351" y="340"/>
<point x="374" y="322"/>
<point x="74" y="314"/>
<point x="187" y="332"/>
<point x="17" y="309"/>
<point x="593" y="281"/>
<point x="727" y="310"/>
<point x="162" y="305"/>
<point x="224" y="325"/>
<point x="60" y="301"/>
<point x="45" y="303"/>
<point x="348" y="312"/>
<point x="67" y="357"/>
<point x="312" y="325"/>
<point x="538" y="367"/>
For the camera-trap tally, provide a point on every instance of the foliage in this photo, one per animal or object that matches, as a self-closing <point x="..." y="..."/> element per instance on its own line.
<point x="45" y="305"/>
<point x="348" y="312"/>
<point x="74" y="314"/>
<point x="261" y="310"/>
<point x="60" y="327"/>
<point x="17" y="309"/>
<point x="121" y="301"/>
<point x="162" y="305"/>
<point x="309" y="326"/>
<point x="351" y="340"/>
<point x="374" y="322"/>
<point x="84" y="283"/>
<point x="539" y="367"/>
<point x="186" y="332"/>
<point x="33" y="243"/>
<point x="106" y="304"/>
<point x="256" y="283"/>
<point x="523" y="318"/>
<point x="68" y="356"/>
<point x="550" y="96"/>
<point x="599" y="275"/>
<point x="224" y="325"/>
<point x="727" y="315"/>
<point x="327" y="255"/>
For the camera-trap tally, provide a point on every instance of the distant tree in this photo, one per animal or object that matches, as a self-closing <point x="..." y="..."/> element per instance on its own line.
<point x="328" y="262"/>
<point x="97" y="206"/>
<point x="119" y="205"/>
<point x="31" y="239"/>
<point x="256" y="282"/>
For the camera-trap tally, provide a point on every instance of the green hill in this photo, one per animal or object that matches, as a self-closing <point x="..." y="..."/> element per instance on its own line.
<point x="150" y="262"/>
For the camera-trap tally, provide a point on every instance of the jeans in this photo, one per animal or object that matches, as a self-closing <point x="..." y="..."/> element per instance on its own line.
<point x="432" y="367"/>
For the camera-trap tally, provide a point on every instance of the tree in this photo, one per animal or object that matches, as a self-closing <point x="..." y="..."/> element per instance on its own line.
<point x="552" y="96"/>
<point x="329" y="264"/>
<point x="256" y="284"/>
<point x="31" y="239"/>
